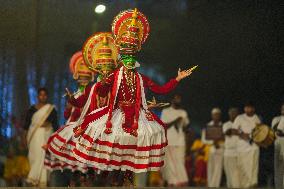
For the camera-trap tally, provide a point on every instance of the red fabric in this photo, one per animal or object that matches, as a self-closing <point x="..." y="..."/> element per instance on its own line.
<point x="104" y="88"/>
<point x="200" y="172"/>
<point x="74" y="116"/>
<point x="67" y="156"/>
<point x="124" y="146"/>
<point x="164" y="89"/>
<point x="111" y="104"/>
<point x="117" y="163"/>
<point x="91" y="117"/>
<point x="127" y="109"/>
<point x="110" y="84"/>
<point x="82" y="99"/>
<point x="67" y="113"/>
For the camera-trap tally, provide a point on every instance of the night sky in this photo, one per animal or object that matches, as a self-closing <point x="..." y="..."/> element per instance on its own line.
<point x="238" y="46"/>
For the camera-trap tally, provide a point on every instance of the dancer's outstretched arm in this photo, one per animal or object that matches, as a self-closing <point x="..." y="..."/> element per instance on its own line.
<point x="167" y="87"/>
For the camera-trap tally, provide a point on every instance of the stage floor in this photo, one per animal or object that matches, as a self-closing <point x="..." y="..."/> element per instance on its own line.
<point x="124" y="187"/>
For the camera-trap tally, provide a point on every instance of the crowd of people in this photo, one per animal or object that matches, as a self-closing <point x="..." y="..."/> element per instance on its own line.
<point x="190" y="160"/>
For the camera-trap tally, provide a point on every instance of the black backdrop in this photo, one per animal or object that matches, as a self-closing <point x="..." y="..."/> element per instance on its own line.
<point x="237" y="45"/>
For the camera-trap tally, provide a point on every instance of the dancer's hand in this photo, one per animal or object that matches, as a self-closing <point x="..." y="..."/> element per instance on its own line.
<point x="183" y="74"/>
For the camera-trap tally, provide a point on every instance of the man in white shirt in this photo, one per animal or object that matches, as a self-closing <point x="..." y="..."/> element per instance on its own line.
<point x="278" y="126"/>
<point x="248" y="152"/>
<point x="230" y="150"/>
<point x="176" y="119"/>
<point x="215" y="157"/>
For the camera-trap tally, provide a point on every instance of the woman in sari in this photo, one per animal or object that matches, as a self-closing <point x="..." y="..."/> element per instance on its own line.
<point x="41" y="121"/>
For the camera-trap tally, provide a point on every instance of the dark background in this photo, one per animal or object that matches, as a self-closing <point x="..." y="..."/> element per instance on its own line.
<point x="238" y="45"/>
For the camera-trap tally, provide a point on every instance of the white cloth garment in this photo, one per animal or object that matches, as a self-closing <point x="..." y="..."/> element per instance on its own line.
<point x="230" y="147"/>
<point x="215" y="160"/>
<point x="232" y="171"/>
<point x="248" y="168"/>
<point x="248" y="153"/>
<point x="230" y="157"/>
<point x="279" y="153"/>
<point x="37" y="136"/>
<point x="176" y="137"/>
<point x="246" y="124"/>
<point x="174" y="171"/>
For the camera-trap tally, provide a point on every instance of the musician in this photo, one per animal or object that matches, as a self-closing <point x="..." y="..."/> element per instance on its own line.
<point x="247" y="151"/>
<point x="278" y="126"/>
<point x="230" y="151"/>
<point x="215" y="159"/>
<point x="176" y="119"/>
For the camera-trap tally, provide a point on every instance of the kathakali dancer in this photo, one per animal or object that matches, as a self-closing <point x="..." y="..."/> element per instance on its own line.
<point x="101" y="59"/>
<point x="65" y="160"/>
<point x="125" y="135"/>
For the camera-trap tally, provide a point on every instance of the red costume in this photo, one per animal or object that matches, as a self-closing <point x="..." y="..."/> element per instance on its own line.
<point x="53" y="158"/>
<point x="61" y="144"/>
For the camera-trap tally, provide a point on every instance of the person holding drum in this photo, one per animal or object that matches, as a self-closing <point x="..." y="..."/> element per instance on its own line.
<point x="247" y="151"/>
<point x="213" y="136"/>
<point x="278" y="127"/>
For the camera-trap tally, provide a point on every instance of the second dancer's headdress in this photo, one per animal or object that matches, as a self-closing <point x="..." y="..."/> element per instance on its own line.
<point x="100" y="53"/>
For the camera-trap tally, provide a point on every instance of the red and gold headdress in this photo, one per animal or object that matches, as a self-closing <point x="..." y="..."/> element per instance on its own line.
<point x="130" y="29"/>
<point x="78" y="66"/>
<point x="100" y="52"/>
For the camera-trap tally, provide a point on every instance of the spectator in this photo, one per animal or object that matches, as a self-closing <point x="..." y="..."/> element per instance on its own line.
<point x="176" y="119"/>
<point x="279" y="149"/>
<point x="215" y="159"/>
<point x="230" y="150"/>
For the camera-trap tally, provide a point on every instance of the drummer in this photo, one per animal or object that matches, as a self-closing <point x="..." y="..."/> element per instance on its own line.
<point x="247" y="151"/>
<point x="278" y="126"/>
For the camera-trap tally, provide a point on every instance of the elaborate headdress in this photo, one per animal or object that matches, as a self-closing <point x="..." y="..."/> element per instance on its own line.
<point x="78" y="67"/>
<point x="130" y="29"/>
<point x="100" y="52"/>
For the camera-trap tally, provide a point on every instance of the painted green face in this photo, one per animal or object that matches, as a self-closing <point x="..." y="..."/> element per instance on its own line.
<point x="128" y="61"/>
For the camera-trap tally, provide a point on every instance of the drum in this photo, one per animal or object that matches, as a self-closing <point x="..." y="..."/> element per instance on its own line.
<point x="263" y="135"/>
<point x="214" y="133"/>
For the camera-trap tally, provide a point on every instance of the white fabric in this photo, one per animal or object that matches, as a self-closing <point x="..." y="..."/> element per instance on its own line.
<point x="149" y="133"/>
<point x="175" y="137"/>
<point x="215" y="159"/>
<point x="67" y="134"/>
<point x="248" y="168"/>
<point x="231" y="171"/>
<point x="279" y="154"/>
<point x="248" y="154"/>
<point x="174" y="171"/>
<point x="37" y="137"/>
<point x="281" y="124"/>
<point x="275" y="120"/>
<point x="246" y="124"/>
<point x="230" y="145"/>
<point x="215" y="167"/>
